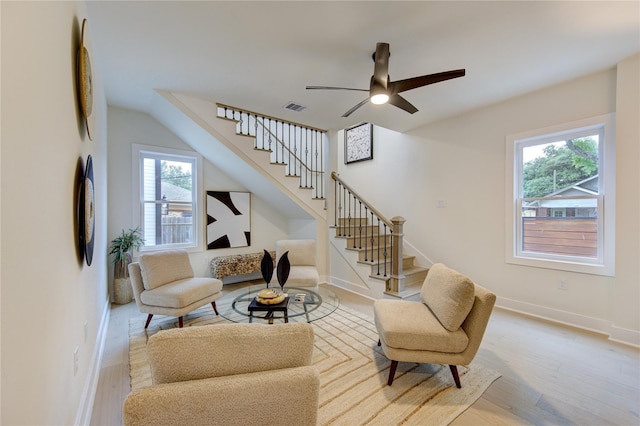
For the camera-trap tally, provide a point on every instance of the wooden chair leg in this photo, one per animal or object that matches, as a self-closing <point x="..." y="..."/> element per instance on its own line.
<point x="456" y="377"/>
<point x="214" y="307"/>
<point x="392" y="372"/>
<point x="180" y="322"/>
<point x="148" y="320"/>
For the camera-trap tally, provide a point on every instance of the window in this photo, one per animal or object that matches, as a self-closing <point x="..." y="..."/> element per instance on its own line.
<point x="560" y="197"/>
<point x="166" y="198"/>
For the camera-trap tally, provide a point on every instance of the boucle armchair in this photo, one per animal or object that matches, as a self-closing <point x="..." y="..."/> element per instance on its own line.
<point x="163" y="283"/>
<point x="302" y="258"/>
<point x="228" y="374"/>
<point x="445" y="327"/>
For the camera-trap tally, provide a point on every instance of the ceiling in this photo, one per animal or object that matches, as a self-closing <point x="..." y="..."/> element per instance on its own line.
<point x="260" y="55"/>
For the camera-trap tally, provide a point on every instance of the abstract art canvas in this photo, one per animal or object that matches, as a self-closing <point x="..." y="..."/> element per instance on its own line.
<point x="228" y="219"/>
<point x="358" y="143"/>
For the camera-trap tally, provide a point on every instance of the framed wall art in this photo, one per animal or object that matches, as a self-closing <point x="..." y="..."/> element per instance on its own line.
<point x="358" y="143"/>
<point x="228" y="219"/>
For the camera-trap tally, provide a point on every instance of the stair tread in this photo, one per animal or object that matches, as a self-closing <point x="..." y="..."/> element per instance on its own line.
<point x="380" y="261"/>
<point x="407" y="292"/>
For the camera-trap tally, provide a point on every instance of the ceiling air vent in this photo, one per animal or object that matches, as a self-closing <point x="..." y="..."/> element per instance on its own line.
<point x="294" y="107"/>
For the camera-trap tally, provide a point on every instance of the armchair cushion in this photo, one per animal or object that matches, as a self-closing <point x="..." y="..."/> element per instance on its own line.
<point x="278" y="397"/>
<point x="301" y="252"/>
<point x="449" y="295"/>
<point x="412" y="326"/>
<point x="305" y="276"/>
<point x="164" y="267"/>
<point x="227" y="349"/>
<point x="181" y="293"/>
<point x="228" y="374"/>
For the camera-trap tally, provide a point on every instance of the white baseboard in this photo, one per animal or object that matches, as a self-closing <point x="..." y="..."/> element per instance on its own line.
<point x="344" y="286"/>
<point x="596" y="325"/>
<point x="85" y="408"/>
<point x="624" y="335"/>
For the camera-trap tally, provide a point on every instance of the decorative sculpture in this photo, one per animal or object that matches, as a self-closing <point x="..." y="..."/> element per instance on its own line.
<point x="266" y="267"/>
<point x="283" y="269"/>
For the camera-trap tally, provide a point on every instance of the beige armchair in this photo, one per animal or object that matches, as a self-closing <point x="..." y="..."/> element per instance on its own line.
<point x="446" y="327"/>
<point x="228" y="374"/>
<point x="302" y="257"/>
<point x="163" y="284"/>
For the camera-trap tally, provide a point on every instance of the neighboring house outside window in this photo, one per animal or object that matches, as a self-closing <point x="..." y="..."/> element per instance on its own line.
<point x="560" y="197"/>
<point x="166" y="197"/>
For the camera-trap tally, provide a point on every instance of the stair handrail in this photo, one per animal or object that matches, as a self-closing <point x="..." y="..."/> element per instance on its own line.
<point x="259" y="114"/>
<point x="336" y="177"/>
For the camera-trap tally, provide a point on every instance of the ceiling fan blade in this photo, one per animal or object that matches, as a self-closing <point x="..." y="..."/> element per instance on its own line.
<point x="415" y="82"/>
<point x="381" y="66"/>
<point x="402" y="103"/>
<point x="334" y="88"/>
<point x="348" y="113"/>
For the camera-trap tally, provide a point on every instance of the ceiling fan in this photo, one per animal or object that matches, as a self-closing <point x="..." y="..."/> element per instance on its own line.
<point x="382" y="89"/>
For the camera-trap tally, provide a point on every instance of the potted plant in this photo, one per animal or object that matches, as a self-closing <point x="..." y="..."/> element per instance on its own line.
<point x="121" y="248"/>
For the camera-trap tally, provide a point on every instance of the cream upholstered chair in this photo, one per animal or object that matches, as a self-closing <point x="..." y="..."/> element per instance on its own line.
<point x="446" y="327"/>
<point x="302" y="258"/>
<point x="228" y="374"/>
<point x="163" y="283"/>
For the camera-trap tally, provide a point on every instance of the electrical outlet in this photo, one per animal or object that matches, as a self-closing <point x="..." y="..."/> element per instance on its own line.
<point x="563" y="285"/>
<point x="76" y="360"/>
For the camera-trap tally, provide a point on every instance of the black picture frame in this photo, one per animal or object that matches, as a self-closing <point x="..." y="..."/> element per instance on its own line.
<point x="358" y="143"/>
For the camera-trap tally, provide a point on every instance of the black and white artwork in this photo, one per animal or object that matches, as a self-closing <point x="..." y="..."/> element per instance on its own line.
<point x="228" y="219"/>
<point x="358" y="143"/>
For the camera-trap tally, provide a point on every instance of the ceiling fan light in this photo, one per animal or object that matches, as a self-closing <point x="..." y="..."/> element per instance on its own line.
<point x="379" y="98"/>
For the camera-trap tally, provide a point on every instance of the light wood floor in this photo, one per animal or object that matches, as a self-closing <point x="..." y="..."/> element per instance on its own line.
<point x="551" y="374"/>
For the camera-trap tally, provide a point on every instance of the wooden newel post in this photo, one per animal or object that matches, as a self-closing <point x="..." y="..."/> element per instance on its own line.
<point x="396" y="283"/>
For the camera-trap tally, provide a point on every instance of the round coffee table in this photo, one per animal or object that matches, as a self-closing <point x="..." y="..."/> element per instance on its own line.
<point x="306" y="304"/>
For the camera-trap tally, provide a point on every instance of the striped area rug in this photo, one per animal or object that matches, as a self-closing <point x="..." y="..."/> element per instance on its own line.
<point x="353" y="374"/>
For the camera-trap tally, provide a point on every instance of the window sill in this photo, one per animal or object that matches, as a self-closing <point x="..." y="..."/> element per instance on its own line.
<point x="561" y="265"/>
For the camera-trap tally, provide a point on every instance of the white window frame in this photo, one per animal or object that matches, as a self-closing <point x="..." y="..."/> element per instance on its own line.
<point x="138" y="151"/>
<point x="604" y="264"/>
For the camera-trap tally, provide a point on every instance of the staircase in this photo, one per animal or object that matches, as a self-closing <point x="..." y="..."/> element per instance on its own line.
<point x="377" y="242"/>
<point x="369" y="238"/>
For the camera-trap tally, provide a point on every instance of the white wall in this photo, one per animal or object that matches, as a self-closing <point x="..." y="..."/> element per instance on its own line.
<point x="48" y="292"/>
<point x="626" y="292"/>
<point x="127" y="127"/>
<point x="461" y="161"/>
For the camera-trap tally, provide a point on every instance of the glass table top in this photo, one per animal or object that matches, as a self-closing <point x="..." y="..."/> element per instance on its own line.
<point x="306" y="304"/>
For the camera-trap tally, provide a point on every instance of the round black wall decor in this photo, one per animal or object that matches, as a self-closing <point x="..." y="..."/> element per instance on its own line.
<point x="89" y="211"/>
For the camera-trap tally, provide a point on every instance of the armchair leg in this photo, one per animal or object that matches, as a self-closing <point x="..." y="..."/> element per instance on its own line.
<point x="213" y="304"/>
<point x="456" y="377"/>
<point x="148" y="321"/>
<point x="180" y="322"/>
<point x="379" y="342"/>
<point x="392" y="372"/>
